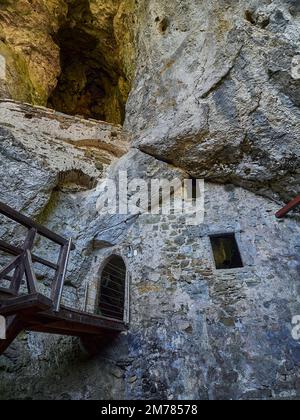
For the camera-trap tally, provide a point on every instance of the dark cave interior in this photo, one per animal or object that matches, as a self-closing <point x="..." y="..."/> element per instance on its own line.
<point x="91" y="79"/>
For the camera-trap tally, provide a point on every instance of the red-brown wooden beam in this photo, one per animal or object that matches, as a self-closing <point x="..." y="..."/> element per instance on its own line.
<point x="288" y="208"/>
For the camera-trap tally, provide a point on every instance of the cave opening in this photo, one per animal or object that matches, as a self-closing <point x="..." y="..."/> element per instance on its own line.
<point x="92" y="83"/>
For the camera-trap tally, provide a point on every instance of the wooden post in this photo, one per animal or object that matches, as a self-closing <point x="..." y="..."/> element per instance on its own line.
<point x="20" y="270"/>
<point x="11" y="266"/>
<point x="29" y="273"/>
<point x="28" y="223"/>
<point x="14" y="326"/>
<point x="59" y="281"/>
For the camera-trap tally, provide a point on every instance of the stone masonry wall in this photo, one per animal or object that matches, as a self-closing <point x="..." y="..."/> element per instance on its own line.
<point x="195" y="332"/>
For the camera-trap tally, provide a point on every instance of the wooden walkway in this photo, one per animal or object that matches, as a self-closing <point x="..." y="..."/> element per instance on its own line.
<point x="33" y="311"/>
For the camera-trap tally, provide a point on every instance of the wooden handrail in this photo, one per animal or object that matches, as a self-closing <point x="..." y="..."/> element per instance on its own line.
<point x="14" y="250"/>
<point x="33" y="311"/>
<point x="24" y="258"/>
<point x="29" y="224"/>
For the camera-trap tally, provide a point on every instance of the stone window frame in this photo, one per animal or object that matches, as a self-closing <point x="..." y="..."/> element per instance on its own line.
<point x="97" y="285"/>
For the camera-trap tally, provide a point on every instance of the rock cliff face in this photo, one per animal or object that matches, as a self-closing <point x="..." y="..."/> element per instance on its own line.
<point x="212" y="91"/>
<point x="217" y="93"/>
<point x="75" y="55"/>
<point x="226" y="72"/>
<point x="31" y="56"/>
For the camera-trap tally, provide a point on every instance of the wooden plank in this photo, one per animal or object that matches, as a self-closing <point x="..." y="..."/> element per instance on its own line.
<point x="90" y="322"/>
<point x="10" y="249"/>
<point x="32" y="303"/>
<point x="74" y="329"/>
<point x="288" y="208"/>
<point x="27" y="222"/>
<point x="46" y="263"/>
<point x="91" y="316"/>
<point x="29" y="240"/>
<point x="6" y="291"/>
<point x="51" y="329"/>
<point x="17" y="278"/>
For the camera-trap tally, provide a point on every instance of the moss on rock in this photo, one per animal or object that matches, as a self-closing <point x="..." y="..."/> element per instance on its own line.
<point x="78" y="53"/>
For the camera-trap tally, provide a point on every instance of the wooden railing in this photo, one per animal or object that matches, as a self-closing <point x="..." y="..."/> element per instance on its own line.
<point x="22" y="264"/>
<point x="288" y="208"/>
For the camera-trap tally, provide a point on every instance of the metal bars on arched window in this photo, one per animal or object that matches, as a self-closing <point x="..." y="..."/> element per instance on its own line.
<point x="112" y="289"/>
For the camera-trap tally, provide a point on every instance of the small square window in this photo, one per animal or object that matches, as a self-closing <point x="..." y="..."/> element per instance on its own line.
<point x="226" y="252"/>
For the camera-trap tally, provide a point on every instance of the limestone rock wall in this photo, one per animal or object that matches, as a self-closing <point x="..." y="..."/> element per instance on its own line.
<point x="31" y="56"/>
<point x="195" y="332"/>
<point x="214" y="95"/>
<point x="227" y="72"/>
<point x="49" y="165"/>
<point x="75" y="55"/>
<point x="217" y="91"/>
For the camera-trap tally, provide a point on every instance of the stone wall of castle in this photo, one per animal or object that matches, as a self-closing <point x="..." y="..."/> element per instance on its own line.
<point x="195" y="331"/>
<point x="207" y="90"/>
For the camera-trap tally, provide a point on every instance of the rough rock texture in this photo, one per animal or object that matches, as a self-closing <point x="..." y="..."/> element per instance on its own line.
<point x="32" y="58"/>
<point x="227" y="72"/>
<point x="70" y="156"/>
<point x="78" y="52"/>
<point x="195" y="332"/>
<point x="209" y="334"/>
<point x="97" y="60"/>
<point x="217" y="93"/>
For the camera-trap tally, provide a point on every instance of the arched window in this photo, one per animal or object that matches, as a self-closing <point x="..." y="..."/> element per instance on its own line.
<point x="111" y="301"/>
